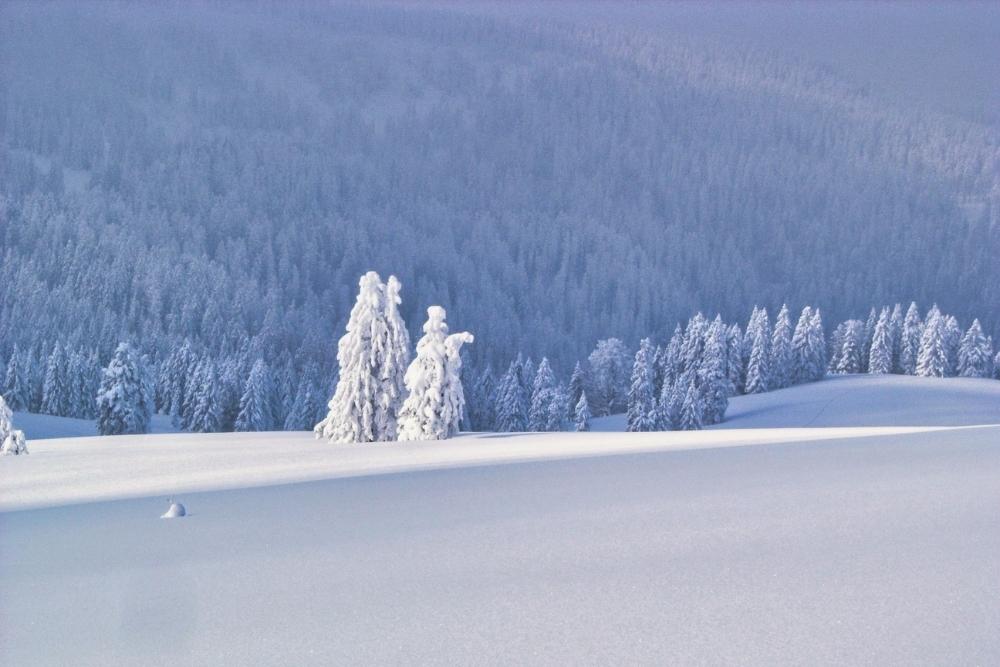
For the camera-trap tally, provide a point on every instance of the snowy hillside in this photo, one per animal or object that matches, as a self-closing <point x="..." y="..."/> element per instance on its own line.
<point x="859" y="400"/>
<point x="874" y="549"/>
<point x="842" y="544"/>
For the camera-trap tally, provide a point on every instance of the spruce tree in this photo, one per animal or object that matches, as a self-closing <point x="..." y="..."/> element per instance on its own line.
<point x="641" y="412"/>
<point x="436" y="400"/>
<point x="851" y="348"/>
<point x="581" y="413"/>
<point x="975" y="356"/>
<point x="692" y="410"/>
<point x="121" y="398"/>
<point x="952" y="341"/>
<point x="817" y="343"/>
<point x="542" y="395"/>
<point x="206" y="413"/>
<point x="713" y="380"/>
<point x="256" y="408"/>
<point x="512" y="400"/>
<point x="734" y="362"/>
<point x="801" y="351"/>
<point x="483" y="410"/>
<point x="558" y="409"/>
<point x="16" y="388"/>
<point x="896" y="337"/>
<point x="880" y="354"/>
<point x="56" y="394"/>
<point x="365" y="403"/>
<point x="932" y="359"/>
<point x="610" y="365"/>
<point x="910" y="341"/>
<point x="577" y="384"/>
<point x="757" y="370"/>
<point x="781" y="350"/>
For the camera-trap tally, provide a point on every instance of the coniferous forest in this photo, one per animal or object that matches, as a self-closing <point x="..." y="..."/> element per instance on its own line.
<point x="177" y="179"/>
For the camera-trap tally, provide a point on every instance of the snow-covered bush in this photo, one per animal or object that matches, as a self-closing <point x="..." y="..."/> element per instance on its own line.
<point x="11" y="440"/>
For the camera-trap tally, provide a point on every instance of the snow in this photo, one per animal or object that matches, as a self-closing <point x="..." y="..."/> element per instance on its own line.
<point x="875" y="542"/>
<point x="42" y="427"/>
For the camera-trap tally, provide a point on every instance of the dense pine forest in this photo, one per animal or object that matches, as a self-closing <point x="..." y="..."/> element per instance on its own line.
<point x="552" y="183"/>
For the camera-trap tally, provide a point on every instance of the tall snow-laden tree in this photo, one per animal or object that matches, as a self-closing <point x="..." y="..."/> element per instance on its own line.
<point x="868" y="333"/>
<point x="434" y="406"/>
<point x="12" y="441"/>
<point x="395" y="362"/>
<point x="896" y="337"/>
<point x="734" y="362"/>
<point x="512" y="400"/>
<point x="56" y="390"/>
<point x="16" y="387"/>
<point x="610" y="365"/>
<point x="952" y="341"/>
<point x="577" y="384"/>
<point x="713" y="380"/>
<point x="692" y="410"/>
<point x="817" y="342"/>
<point x="781" y="350"/>
<point x="932" y="360"/>
<point x="801" y="352"/>
<point x="694" y="343"/>
<point x="880" y="354"/>
<point x="641" y="412"/>
<point x="542" y="395"/>
<point x="482" y="412"/>
<point x="581" y="413"/>
<point x="673" y="361"/>
<point x="851" y="348"/>
<point x="364" y="403"/>
<point x="179" y="369"/>
<point x="910" y="340"/>
<point x="205" y="413"/>
<point x="558" y="409"/>
<point x="757" y="370"/>
<point x="256" y="404"/>
<point x="121" y="398"/>
<point x="975" y="356"/>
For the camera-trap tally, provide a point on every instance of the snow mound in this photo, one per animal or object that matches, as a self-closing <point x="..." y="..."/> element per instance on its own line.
<point x="176" y="511"/>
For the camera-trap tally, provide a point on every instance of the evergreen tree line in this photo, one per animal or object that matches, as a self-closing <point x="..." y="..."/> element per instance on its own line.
<point x="686" y="382"/>
<point x="683" y="383"/>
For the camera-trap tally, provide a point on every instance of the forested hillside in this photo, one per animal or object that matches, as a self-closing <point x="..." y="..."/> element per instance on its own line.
<point x="224" y="173"/>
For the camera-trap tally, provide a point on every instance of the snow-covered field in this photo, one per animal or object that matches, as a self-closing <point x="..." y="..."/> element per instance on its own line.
<point x="873" y="544"/>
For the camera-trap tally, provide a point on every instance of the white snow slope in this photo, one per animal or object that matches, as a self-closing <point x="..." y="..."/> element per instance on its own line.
<point x="880" y="545"/>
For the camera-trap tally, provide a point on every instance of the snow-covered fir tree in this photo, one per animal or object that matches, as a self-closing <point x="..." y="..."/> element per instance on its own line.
<point x="975" y="354"/>
<point x="694" y="343"/>
<point x="817" y="342"/>
<point x="692" y="410"/>
<point x="851" y="348"/>
<point x="206" y="412"/>
<point x="56" y="390"/>
<point x="512" y="400"/>
<point x="868" y="333"/>
<point x="932" y="360"/>
<point x="714" y="381"/>
<point x="543" y="393"/>
<point x="482" y="409"/>
<point x="880" y="354"/>
<point x="436" y="401"/>
<point x="395" y="361"/>
<point x="910" y="340"/>
<point x="578" y="382"/>
<point x="641" y="412"/>
<point x="610" y="365"/>
<point x="581" y="413"/>
<point x="952" y="341"/>
<point x="801" y="351"/>
<point x="734" y="361"/>
<point x="673" y="361"/>
<point x="308" y="404"/>
<point x="16" y="387"/>
<point x="256" y="408"/>
<point x="558" y="409"/>
<point x="896" y="337"/>
<point x="121" y="399"/>
<point x="365" y="402"/>
<point x="757" y="364"/>
<point x="781" y="350"/>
